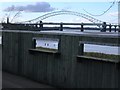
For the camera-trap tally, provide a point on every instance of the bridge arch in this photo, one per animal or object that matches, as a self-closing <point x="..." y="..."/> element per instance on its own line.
<point x="55" y="13"/>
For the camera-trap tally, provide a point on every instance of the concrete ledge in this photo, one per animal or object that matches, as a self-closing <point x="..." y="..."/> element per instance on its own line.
<point x="43" y="51"/>
<point x="97" y="59"/>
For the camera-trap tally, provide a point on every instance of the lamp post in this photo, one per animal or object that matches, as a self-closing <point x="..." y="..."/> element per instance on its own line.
<point x="119" y="15"/>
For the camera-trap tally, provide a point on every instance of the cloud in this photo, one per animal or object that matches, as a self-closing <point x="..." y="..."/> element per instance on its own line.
<point x="58" y="0"/>
<point x="38" y="7"/>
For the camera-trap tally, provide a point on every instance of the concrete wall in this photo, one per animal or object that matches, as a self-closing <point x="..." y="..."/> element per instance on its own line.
<point x="0" y="57"/>
<point x="0" y="66"/>
<point x="60" y="70"/>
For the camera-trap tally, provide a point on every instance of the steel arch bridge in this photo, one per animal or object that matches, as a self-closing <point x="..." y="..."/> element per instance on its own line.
<point x="55" y="13"/>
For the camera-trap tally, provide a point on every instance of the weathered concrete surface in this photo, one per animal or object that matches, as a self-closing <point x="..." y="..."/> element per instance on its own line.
<point x="0" y="66"/>
<point x="13" y="81"/>
<point x="0" y="79"/>
<point x="64" y="70"/>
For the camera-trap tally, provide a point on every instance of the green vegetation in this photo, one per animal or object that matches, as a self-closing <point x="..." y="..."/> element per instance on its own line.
<point x="46" y="49"/>
<point x="102" y="55"/>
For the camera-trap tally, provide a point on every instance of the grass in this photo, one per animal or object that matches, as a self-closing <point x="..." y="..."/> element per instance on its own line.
<point x="91" y="54"/>
<point x="46" y="49"/>
<point x="102" y="55"/>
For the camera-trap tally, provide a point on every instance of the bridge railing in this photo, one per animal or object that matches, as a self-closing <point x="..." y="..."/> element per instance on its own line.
<point x="102" y="27"/>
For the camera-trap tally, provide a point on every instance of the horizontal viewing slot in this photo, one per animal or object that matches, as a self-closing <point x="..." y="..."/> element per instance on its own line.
<point x="101" y="51"/>
<point x="46" y="45"/>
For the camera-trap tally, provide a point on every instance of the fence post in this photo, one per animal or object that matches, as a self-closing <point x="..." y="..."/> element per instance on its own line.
<point x="41" y="25"/>
<point x="110" y="28"/>
<point x="82" y="28"/>
<point x="36" y="25"/>
<point x="7" y="20"/>
<point x="103" y="27"/>
<point x="119" y="29"/>
<point x="61" y="26"/>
